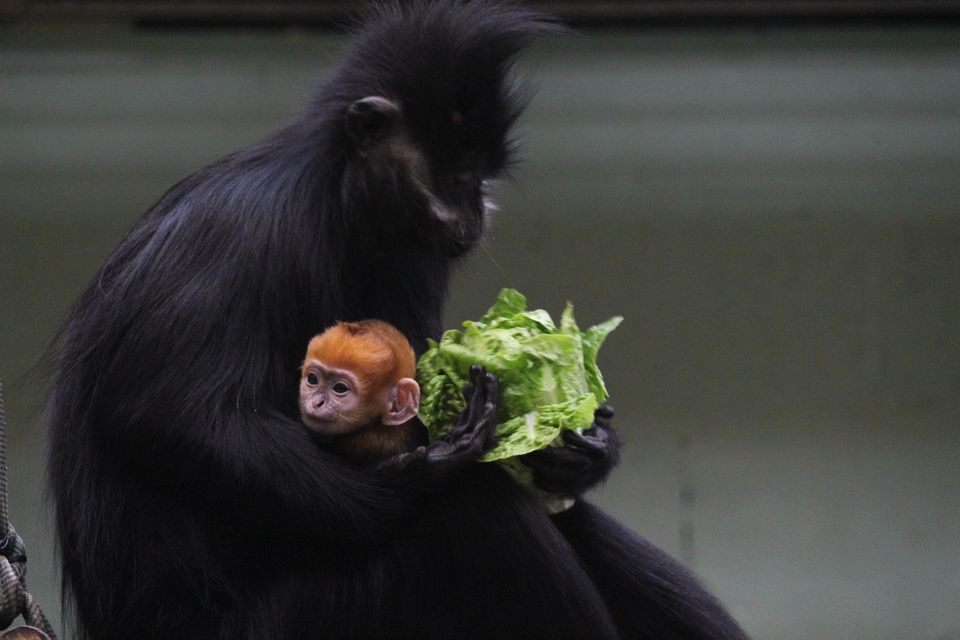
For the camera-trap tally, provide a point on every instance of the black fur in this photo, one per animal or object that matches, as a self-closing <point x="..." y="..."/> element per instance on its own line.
<point x="190" y="502"/>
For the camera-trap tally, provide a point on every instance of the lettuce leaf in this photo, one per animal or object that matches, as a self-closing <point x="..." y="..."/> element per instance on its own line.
<point x="549" y="379"/>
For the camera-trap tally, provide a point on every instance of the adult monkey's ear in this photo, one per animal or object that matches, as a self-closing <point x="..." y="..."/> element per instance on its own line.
<point x="370" y="119"/>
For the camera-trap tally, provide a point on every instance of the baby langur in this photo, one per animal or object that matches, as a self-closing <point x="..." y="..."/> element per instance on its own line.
<point x="357" y="391"/>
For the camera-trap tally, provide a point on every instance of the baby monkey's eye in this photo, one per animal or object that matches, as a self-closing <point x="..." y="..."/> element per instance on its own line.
<point x="312" y="379"/>
<point x="340" y="388"/>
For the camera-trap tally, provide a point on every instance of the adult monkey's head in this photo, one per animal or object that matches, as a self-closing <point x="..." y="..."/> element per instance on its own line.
<point x="427" y="104"/>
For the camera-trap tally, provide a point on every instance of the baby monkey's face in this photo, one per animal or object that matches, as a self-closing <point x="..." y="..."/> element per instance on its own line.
<point x="333" y="402"/>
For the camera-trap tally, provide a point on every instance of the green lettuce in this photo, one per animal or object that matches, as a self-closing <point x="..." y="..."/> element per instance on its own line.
<point x="548" y="375"/>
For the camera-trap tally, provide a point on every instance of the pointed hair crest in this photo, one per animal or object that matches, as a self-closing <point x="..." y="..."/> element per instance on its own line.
<point x="412" y="45"/>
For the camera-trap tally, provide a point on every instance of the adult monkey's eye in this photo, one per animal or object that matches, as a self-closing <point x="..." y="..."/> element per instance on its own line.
<point x="312" y="379"/>
<point x="340" y="388"/>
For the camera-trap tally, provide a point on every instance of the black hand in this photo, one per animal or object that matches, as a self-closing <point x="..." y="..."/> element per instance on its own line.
<point x="471" y="437"/>
<point x="584" y="461"/>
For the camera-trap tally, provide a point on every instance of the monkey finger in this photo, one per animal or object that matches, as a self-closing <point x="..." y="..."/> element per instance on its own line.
<point x="474" y="395"/>
<point x="476" y="371"/>
<point x="476" y="374"/>
<point x="603" y="414"/>
<point x="482" y="417"/>
<point x="484" y="429"/>
<point x="484" y="392"/>
<point x="593" y="441"/>
<point x="471" y="415"/>
<point x="492" y="388"/>
<point x="490" y="430"/>
<point x="490" y="407"/>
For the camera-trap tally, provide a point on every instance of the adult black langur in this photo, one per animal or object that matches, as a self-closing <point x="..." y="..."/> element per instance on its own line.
<point x="190" y="502"/>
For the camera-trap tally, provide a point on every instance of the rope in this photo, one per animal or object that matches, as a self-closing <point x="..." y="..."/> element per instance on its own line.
<point x="4" y="514"/>
<point x="14" y="598"/>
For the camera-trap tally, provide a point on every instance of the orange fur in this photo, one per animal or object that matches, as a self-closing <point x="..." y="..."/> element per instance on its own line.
<point x="376" y="352"/>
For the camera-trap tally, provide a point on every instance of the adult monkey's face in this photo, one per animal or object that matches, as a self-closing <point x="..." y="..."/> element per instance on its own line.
<point x="430" y="170"/>
<point x="431" y="130"/>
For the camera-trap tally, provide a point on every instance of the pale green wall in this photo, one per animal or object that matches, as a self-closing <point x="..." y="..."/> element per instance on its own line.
<point x="776" y="213"/>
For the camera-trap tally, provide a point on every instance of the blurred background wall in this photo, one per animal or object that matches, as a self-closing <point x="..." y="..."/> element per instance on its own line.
<point x="775" y="210"/>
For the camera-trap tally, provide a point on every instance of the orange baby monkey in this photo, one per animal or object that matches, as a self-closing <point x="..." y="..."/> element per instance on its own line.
<point x="358" y="393"/>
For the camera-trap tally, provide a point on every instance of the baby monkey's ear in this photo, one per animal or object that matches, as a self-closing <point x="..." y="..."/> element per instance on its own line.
<point x="404" y="402"/>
